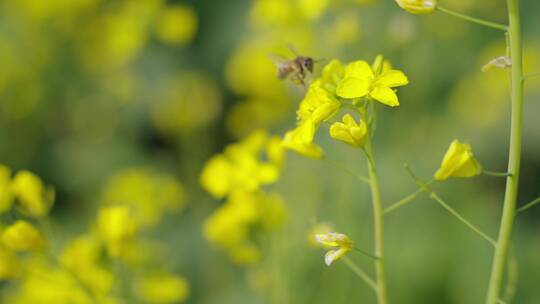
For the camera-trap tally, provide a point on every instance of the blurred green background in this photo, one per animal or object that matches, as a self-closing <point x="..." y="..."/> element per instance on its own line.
<point x="89" y="88"/>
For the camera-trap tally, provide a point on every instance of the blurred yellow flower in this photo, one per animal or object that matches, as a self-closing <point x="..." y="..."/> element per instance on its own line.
<point x="81" y="256"/>
<point x="334" y="239"/>
<point x="116" y="227"/>
<point x="34" y="198"/>
<point x="22" y="236"/>
<point x="148" y="193"/>
<point x="231" y="226"/>
<point x="176" y="24"/>
<point x="240" y="167"/>
<point x="312" y="9"/>
<point x="332" y="73"/>
<point x="10" y="265"/>
<point x="6" y="192"/>
<point x="162" y="288"/>
<point x="360" y="80"/>
<point x="349" y="131"/>
<point x="300" y="140"/>
<point x="418" y="6"/>
<point x="458" y="161"/>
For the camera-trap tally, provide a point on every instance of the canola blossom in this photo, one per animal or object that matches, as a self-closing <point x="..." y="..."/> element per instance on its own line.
<point x="458" y="161"/>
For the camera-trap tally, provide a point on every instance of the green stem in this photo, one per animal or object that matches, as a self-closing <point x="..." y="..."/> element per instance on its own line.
<point x="378" y="222"/>
<point x="360" y="273"/>
<point x="529" y="205"/>
<point x="496" y="174"/>
<point x="369" y="255"/>
<point x="514" y="159"/>
<point x="404" y="201"/>
<point x="441" y="202"/>
<point x="490" y="24"/>
<point x="424" y="187"/>
<point x="348" y="171"/>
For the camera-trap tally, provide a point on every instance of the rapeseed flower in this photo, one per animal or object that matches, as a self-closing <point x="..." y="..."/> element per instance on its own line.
<point x="34" y="197"/>
<point x="360" y="80"/>
<point x="337" y="240"/>
<point x="301" y="138"/>
<point x="22" y="236"/>
<point x="349" y="131"/>
<point x="176" y="24"/>
<point x="162" y="288"/>
<point x="242" y="166"/>
<point x="458" y="161"/>
<point x="116" y="227"/>
<point x="10" y="265"/>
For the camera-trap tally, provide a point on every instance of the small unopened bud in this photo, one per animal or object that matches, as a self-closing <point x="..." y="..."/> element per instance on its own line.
<point x="418" y="6"/>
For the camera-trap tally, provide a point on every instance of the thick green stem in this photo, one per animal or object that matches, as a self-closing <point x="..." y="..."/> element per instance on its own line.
<point x="509" y="210"/>
<point x="382" y="297"/>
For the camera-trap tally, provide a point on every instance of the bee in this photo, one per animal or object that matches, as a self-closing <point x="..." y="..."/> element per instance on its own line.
<point x="295" y="69"/>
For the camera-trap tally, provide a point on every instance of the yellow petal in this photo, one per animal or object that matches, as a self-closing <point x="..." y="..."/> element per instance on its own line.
<point x="334" y="255"/>
<point x="353" y="87"/>
<point x="392" y="78"/>
<point x="385" y="95"/>
<point x="359" y="69"/>
<point x="458" y="161"/>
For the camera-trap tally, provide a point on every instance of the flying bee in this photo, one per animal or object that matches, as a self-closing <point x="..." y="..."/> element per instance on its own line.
<point x="296" y="68"/>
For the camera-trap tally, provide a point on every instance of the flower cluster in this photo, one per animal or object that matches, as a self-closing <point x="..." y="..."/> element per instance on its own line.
<point x="85" y="270"/>
<point x="350" y="86"/>
<point x="238" y="175"/>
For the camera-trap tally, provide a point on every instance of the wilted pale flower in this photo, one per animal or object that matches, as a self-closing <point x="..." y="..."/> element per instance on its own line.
<point x="360" y="80"/>
<point x="458" y="161"/>
<point x="34" y="198"/>
<point x="334" y="239"/>
<point x="418" y="6"/>
<point x="349" y="131"/>
<point x="116" y="226"/>
<point x="22" y="236"/>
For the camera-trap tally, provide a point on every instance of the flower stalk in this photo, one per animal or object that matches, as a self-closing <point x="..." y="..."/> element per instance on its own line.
<point x="378" y="223"/>
<point x="479" y="21"/>
<point x="500" y="258"/>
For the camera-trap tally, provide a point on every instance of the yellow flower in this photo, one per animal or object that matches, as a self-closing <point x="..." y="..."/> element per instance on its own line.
<point x="162" y="288"/>
<point x="34" y="198"/>
<point x="458" y="161"/>
<point x="241" y="166"/>
<point x="318" y="228"/>
<point x="418" y="6"/>
<point x="9" y="264"/>
<point x="176" y="24"/>
<point x="148" y="193"/>
<point x="300" y="140"/>
<point x="82" y="257"/>
<point x="318" y="105"/>
<point x="360" y="80"/>
<point x="334" y="239"/>
<point x="116" y="227"/>
<point x="6" y="193"/>
<point x="22" y="236"/>
<point x="349" y="131"/>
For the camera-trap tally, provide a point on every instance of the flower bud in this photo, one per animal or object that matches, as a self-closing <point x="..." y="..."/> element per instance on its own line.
<point x="418" y="6"/>
<point x="458" y="161"/>
<point x="349" y="131"/>
<point x="34" y="198"/>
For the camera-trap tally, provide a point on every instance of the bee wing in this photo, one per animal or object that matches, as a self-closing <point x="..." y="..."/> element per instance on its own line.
<point x="292" y="48"/>
<point x="282" y="64"/>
